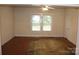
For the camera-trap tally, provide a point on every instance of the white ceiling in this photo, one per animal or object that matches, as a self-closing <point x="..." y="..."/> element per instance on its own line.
<point x="38" y="5"/>
<point x="60" y="5"/>
<point x="68" y="5"/>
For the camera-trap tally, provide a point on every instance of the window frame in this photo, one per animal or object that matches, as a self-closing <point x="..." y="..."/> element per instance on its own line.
<point x="50" y="24"/>
<point x="41" y="24"/>
<point x="31" y="22"/>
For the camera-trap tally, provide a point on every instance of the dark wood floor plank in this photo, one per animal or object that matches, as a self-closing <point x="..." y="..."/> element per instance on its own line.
<point x="38" y="45"/>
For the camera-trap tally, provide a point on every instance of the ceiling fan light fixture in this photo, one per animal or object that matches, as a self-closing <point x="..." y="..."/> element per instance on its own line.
<point x="44" y="9"/>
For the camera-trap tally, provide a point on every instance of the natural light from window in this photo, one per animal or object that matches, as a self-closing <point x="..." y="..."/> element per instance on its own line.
<point x="41" y="23"/>
<point x="35" y="23"/>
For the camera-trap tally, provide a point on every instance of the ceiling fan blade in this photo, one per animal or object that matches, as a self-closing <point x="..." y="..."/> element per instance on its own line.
<point x="51" y="8"/>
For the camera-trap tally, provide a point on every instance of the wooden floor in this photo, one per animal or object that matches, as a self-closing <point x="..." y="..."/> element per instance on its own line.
<point x="38" y="46"/>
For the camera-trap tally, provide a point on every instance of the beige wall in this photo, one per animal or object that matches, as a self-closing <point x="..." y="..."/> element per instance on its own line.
<point x="71" y="24"/>
<point x="77" y="44"/>
<point x="0" y="44"/>
<point x="0" y="32"/>
<point x="23" y="22"/>
<point x="6" y="24"/>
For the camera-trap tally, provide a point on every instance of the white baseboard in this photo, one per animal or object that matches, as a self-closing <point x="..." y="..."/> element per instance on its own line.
<point x="40" y="35"/>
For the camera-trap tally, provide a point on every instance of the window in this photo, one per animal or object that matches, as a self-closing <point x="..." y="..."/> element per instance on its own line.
<point x="41" y="23"/>
<point x="36" y="23"/>
<point x="46" y="23"/>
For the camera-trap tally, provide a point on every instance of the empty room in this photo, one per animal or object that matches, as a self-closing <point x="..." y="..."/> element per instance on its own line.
<point x="38" y="29"/>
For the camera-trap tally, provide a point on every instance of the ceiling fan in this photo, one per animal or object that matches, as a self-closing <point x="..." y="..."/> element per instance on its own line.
<point x="44" y="7"/>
